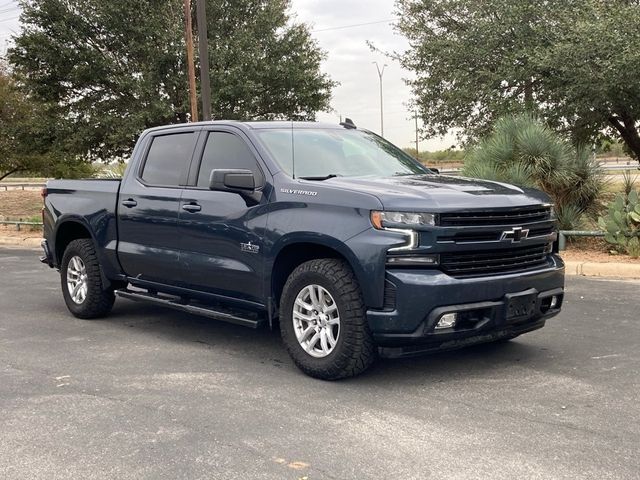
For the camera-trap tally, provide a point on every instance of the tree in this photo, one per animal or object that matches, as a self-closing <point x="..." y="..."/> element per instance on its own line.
<point x="524" y="152"/>
<point x="113" y="68"/>
<point x="572" y="62"/>
<point x="27" y="142"/>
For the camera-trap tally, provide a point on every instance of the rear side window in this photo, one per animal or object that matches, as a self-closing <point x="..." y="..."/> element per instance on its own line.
<point x="168" y="159"/>
<point x="226" y="150"/>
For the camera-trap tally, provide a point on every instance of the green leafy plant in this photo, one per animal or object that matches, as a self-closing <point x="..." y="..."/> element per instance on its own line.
<point x="622" y="221"/>
<point x="524" y="152"/>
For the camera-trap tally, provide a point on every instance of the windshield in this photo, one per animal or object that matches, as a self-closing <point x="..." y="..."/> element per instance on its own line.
<point x="321" y="153"/>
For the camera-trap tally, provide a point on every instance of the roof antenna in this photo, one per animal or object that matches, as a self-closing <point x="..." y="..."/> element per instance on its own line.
<point x="348" y="123"/>
<point x="293" y="154"/>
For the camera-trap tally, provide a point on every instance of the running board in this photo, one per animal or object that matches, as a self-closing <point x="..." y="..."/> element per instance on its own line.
<point x="179" y="304"/>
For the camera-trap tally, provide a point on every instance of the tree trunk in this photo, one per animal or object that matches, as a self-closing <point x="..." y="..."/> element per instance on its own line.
<point x="626" y="126"/>
<point x="10" y="172"/>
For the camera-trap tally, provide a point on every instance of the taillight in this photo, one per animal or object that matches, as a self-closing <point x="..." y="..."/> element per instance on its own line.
<point x="43" y="192"/>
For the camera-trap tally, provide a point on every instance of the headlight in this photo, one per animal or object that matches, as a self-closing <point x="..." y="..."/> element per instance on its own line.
<point x="382" y="220"/>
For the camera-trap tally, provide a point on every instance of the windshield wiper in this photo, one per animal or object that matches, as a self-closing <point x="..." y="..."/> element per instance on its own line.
<point x="320" y="179"/>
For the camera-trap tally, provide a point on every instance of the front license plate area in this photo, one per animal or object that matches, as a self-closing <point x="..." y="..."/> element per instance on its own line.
<point x="521" y="306"/>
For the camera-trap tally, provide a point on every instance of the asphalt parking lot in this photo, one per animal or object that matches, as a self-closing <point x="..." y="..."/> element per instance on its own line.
<point x="152" y="393"/>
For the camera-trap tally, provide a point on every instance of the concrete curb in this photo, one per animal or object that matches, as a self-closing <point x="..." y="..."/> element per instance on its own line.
<point x="600" y="269"/>
<point x="573" y="267"/>
<point x="27" y="242"/>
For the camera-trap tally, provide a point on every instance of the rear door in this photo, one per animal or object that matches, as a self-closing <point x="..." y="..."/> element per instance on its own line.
<point x="221" y="233"/>
<point x="148" y="207"/>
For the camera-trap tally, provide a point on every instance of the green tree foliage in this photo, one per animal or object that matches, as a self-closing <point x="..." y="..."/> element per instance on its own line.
<point x="113" y="68"/>
<point x="28" y="144"/>
<point x="524" y="152"/>
<point x="573" y="62"/>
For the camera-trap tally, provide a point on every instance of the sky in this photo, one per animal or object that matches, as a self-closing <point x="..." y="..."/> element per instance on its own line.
<point x="338" y="27"/>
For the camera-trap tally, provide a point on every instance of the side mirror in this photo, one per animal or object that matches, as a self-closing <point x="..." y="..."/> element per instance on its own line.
<point x="232" y="180"/>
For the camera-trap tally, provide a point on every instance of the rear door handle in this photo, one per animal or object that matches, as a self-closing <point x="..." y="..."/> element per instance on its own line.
<point x="129" y="203"/>
<point x="192" y="207"/>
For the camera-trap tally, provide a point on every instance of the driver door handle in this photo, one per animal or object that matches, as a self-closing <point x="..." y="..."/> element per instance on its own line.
<point x="192" y="207"/>
<point x="129" y="203"/>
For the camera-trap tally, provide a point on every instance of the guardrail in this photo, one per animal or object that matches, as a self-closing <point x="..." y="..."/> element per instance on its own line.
<point x="20" y="223"/>
<point x="562" y="238"/>
<point x="20" y="186"/>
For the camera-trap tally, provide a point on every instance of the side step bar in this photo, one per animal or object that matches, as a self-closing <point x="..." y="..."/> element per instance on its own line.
<point x="179" y="304"/>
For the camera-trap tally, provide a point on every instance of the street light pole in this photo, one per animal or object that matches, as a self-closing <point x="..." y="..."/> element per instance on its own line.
<point x="203" y="50"/>
<point x="417" y="139"/>
<point x="380" y="73"/>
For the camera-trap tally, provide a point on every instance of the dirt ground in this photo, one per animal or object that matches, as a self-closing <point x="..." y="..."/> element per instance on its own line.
<point x="19" y="204"/>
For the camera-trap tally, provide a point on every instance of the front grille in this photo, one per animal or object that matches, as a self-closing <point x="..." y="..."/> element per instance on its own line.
<point x="493" y="262"/>
<point x="511" y="216"/>
<point x="492" y="236"/>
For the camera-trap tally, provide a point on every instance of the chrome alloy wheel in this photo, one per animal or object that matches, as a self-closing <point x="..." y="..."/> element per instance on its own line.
<point x="77" y="280"/>
<point x="316" y="321"/>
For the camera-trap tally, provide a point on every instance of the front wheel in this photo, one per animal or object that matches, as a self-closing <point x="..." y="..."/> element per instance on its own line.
<point x="82" y="286"/>
<point x="323" y="323"/>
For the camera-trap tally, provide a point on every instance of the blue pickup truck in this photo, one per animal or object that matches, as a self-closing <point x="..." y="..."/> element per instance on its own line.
<point x="341" y="239"/>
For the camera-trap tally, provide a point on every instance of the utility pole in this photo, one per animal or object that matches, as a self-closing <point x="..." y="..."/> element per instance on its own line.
<point x="380" y="73"/>
<point x="417" y="140"/>
<point x="203" y="50"/>
<point x="191" y="69"/>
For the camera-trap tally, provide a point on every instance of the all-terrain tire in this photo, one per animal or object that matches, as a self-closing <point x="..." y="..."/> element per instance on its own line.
<point x="99" y="300"/>
<point x="354" y="350"/>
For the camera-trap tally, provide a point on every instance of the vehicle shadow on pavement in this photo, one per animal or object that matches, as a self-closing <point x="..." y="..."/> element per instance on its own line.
<point x="264" y="346"/>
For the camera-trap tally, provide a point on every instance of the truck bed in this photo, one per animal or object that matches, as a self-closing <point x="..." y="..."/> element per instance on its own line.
<point x="88" y="203"/>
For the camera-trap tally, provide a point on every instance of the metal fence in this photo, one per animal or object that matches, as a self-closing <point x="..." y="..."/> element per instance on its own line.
<point x="19" y="223"/>
<point x="20" y="186"/>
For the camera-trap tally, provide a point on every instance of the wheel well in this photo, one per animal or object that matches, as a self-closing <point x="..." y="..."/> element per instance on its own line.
<point x="293" y="255"/>
<point x="67" y="233"/>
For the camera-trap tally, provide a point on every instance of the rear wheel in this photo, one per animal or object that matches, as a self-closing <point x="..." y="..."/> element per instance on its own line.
<point x="323" y="323"/>
<point x="82" y="287"/>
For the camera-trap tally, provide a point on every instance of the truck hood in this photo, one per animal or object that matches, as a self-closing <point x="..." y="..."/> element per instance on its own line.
<point x="440" y="192"/>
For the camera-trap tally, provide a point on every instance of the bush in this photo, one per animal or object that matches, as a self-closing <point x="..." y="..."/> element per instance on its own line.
<point x="622" y="222"/>
<point x="524" y="152"/>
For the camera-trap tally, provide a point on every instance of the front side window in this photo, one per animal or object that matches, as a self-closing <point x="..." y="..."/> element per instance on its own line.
<point x="318" y="152"/>
<point x="168" y="159"/>
<point x="226" y="151"/>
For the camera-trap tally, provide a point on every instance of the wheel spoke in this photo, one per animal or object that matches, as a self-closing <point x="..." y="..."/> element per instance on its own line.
<point x="323" y="341"/>
<point x="313" y="294"/>
<point x="312" y="342"/>
<point x="331" y="338"/>
<point x="305" y="333"/>
<point x="334" y="321"/>
<point x="302" y="316"/>
<point x="301" y="303"/>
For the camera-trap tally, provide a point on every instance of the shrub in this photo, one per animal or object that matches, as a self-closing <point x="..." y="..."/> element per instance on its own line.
<point x="524" y="152"/>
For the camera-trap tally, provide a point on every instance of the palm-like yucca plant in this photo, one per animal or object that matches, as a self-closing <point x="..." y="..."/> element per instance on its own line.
<point x="114" y="170"/>
<point x="524" y="152"/>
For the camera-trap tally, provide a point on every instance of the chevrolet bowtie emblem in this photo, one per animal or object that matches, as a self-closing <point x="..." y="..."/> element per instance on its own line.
<point x="516" y="235"/>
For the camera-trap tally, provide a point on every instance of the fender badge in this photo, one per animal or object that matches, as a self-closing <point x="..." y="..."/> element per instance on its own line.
<point x="249" y="248"/>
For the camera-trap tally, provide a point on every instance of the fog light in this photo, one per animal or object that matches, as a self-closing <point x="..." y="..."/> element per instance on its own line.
<point x="413" y="261"/>
<point x="554" y="302"/>
<point x="448" y="320"/>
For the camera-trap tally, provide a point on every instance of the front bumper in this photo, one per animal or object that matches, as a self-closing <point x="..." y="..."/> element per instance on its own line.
<point x="485" y="308"/>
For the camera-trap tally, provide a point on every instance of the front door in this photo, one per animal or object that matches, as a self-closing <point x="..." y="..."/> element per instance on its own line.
<point x="221" y="233"/>
<point x="148" y="206"/>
